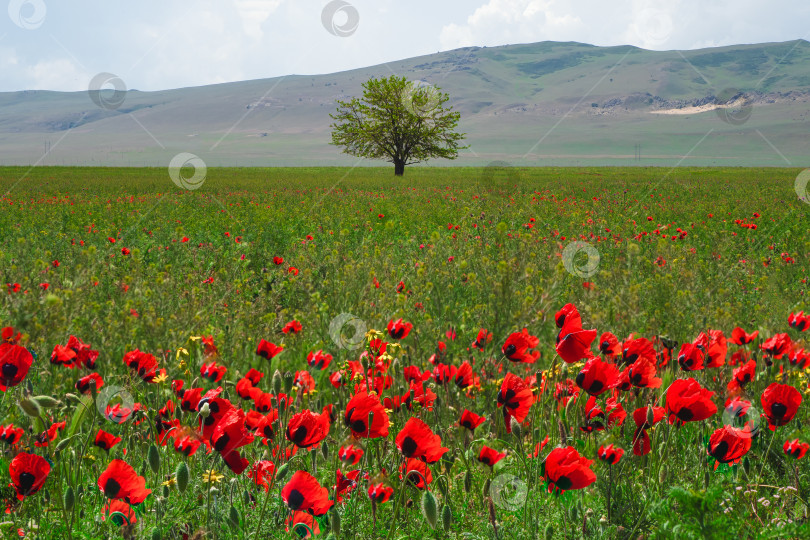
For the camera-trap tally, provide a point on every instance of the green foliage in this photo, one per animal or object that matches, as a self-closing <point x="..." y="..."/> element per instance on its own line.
<point x="400" y="121"/>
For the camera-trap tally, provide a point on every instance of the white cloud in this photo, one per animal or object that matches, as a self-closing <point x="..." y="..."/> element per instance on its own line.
<point x="254" y="13"/>
<point x="60" y="74"/>
<point x="512" y="21"/>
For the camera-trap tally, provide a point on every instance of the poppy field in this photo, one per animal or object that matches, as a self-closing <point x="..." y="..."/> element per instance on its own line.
<point x="462" y="353"/>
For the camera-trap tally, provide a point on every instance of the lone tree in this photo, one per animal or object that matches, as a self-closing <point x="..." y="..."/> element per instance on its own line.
<point x="397" y="120"/>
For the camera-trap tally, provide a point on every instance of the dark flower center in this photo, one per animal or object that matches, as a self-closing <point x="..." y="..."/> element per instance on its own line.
<point x="685" y="414"/>
<point x="222" y="442"/>
<point x="111" y="488"/>
<point x="719" y="452"/>
<point x="409" y="447"/>
<point x="778" y="410"/>
<point x="295" y="500"/>
<point x="563" y="483"/>
<point x="300" y="435"/>
<point x="9" y="372"/>
<point x="26" y="482"/>
<point x="510" y="350"/>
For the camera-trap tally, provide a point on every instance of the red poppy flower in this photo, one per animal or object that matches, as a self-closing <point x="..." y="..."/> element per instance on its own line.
<point x="416" y="440"/>
<point x="230" y="434"/>
<point x="143" y="364"/>
<point x="345" y="484"/>
<point x="483" y="338"/>
<point x="83" y="384"/>
<point x="641" y="440"/>
<point x="399" y="329"/>
<point x="714" y="346"/>
<point x="292" y="327"/>
<point x="687" y="401"/>
<point x="777" y="346"/>
<point x="15" y="361"/>
<point x="566" y="470"/>
<point x="516" y="398"/>
<point x="11" y="435"/>
<point x="641" y="374"/>
<point x="357" y="414"/>
<point x="465" y="377"/>
<point x="518" y="345"/>
<point x="443" y="373"/>
<point x="799" y="321"/>
<point x="470" y="420"/>
<point x="28" y="474"/>
<point x="489" y="456"/>
<point x="213" y="372"/>
<point x="319" y="360"/>
<point x="574" y="343"/>
<point x="245" y="389"/>
<point x="261" y="472"/>
<point x="187" y="443"/>
<point x="741" y="337"/>
<point x="609" y="345"/>
<point x="745" y="373"/>
<point x="118" y="512"/>
<point x="610" y="454"/>
<point x="7" y="335"/>
<point x="304" y="493"/>
<point x="691" y="357"/>
<point x="307" y="428"/>
<point x="48" y="436"/>
<point x="634" y="349"/>
<point x="350" y="454"/>
<point x="796" y="449"/>
<point x="254" y="376"/>
<point x="105" y="440"/>
<point x="417" y="472"/>
<point x="268" y="350"/>
<point x="729" y="444"/>
<point x="597" y="377"/>
<point x="278" y="260"/>
<point x="780" y="403"/>
<point x="800" y="358"/>
<point x="594" y="417"/>
<point x="615" y="411"/>
<point x="565" y="391"/>
<point x="380" y="493"/>
<point x="120" y="481"/>
<point x="84" y="354"/>
<point x="119" y="414"/>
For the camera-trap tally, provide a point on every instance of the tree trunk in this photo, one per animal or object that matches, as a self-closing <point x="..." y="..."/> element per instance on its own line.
<point x="399" y="168"/>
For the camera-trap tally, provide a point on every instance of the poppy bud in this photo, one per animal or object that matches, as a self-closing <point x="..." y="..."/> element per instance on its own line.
<point x="334" y="522"/>
<point x="447" y="518"/>
<point x="205" y="410"/>
<point x="569" y="409"/>
<point x="517" y="429"/>
<point x="467" y="482"/>
<point x="429" y="508"/>
<point x="573" y="512"/>
<point x="707" y="479"/>
<point x="46" y="401"/>
<point x="325" y="450"/>
<point x="282" y="472"/>
<point x="289" y="379"/>
<point x="662" y="475"/>
<point x="156" y="534"/>
<point x="233" y="517"/>
<point x="747" y="466"/>
<point x="181" y="475"/>
<point x="442" y="483"/>
<point x="549" y="533"/>
<point x="650" y="416"/>
<point x="166" y="491"/>
<point x="485" y="490"/>
<point x="276" y="382"/>
<point x="153" y="456"/>
<point x="62" y="444"/>
<point x="246" y="498"/>
<point x="68" y="499"/>
<point x="30" y="407"/>
<point x="314" y="462"/>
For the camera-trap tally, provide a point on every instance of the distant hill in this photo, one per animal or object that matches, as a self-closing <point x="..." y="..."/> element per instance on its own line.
<point x="544" y="103"/>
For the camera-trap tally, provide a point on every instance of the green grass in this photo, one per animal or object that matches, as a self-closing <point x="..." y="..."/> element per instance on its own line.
<point x="491" y="272"/>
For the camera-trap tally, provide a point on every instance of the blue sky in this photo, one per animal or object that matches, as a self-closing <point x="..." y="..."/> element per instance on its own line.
<point x="153" y="45"/>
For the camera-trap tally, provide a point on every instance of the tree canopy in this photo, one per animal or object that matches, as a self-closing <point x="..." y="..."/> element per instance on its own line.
<point x="401" y="121"/>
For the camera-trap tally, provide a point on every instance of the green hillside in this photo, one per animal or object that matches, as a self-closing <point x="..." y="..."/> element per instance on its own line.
<point x="534" y="104"/>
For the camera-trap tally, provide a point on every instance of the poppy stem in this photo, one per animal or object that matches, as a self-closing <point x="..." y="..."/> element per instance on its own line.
<point x="397" y="505"/>
<point x="610" y="485"/>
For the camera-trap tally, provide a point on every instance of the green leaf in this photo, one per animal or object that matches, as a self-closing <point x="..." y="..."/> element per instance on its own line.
<point x="83" y="411"/>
